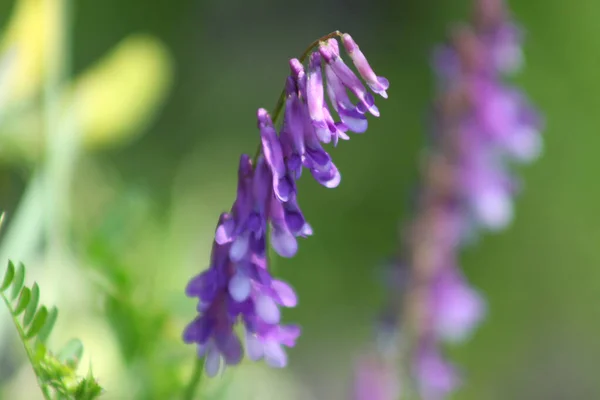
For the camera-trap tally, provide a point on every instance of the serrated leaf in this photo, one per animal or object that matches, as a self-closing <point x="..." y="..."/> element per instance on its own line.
<point x="44" y="333"/>
<point x="38" y="322"/>
<point x="24" y="298"/>
<point x="71" y="353"/>
<point x="32" y="307"/>
<point x="8" y="276"/>
<point x="18" y="281"/>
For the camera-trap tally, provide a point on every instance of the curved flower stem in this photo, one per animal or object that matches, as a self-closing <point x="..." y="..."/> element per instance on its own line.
<point x="192" y="386"/>
<point x="281" y="101"/>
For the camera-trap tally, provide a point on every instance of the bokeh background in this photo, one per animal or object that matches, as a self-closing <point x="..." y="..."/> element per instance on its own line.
<point x="113" y="177"/>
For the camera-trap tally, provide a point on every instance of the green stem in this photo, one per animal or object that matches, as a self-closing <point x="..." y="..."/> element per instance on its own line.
<point x="195" y="380"/>
<point x="60" y="138"/>
<point x="28" y="351"/>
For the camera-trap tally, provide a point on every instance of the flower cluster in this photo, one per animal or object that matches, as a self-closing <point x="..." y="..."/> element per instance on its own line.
<point x="480" y="127"/>
<point x="237" y="286"/>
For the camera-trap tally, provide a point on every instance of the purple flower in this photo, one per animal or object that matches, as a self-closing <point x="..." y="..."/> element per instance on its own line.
<point x="300" y="129"/>
<point x="346" y="77"/>
<point x="375" y="379"/>
<point x="271" y="148"/>
<point x="501" y="36"/>
<point x="315" y="98"/>
<point x="350" y="116"/>
<point x="436" y="378"/>
<point x="505" y="116"/>
<point x="268" y="341"/>
<point x="378" y="84"/>
<point x="457" y="308"/>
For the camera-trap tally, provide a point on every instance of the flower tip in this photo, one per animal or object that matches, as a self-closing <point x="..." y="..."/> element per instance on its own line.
<point x="315" y="60"/>
<point x="349" y="43"/>
<point x="334" y="181"/>
<point x="284" y="243"/>
<point x="263" y="116"/>
<point x="296" y="67"/>
<point x="328" y="53"/>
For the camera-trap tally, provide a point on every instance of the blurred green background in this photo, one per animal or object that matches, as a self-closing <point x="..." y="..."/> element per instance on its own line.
<point x="138" y="181"/>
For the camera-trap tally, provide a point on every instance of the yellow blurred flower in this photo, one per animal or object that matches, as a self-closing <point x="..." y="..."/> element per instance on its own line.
<point x="30" y="33"/>
<point x="118" y="96"/>
<point x="114" y="100"/>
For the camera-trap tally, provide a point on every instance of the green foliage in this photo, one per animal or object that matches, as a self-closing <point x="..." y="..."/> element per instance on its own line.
<point x="56" y="374"/>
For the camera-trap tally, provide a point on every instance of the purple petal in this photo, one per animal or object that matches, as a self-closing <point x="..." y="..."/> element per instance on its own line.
<point x="212" y="363"/>
<point x="267" y="310"/>
<point x="377" y="84"/>
<point x="273" y="154"/>
<point x="254" y="347"/>
<point x="225" y="232"/>
<point x="274" y="354"/>
<point x="239" y="287"/>
<point x="231" y="349"/>
<point x="285" y="294"/>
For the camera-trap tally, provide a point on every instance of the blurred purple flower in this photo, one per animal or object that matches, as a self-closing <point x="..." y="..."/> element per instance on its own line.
<point x="375" y="378"/>
<point x="480" y="127"/>
<point x="436" y="378"/>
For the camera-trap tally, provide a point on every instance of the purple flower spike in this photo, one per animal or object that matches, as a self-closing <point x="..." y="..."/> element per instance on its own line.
<point x="378" y="84"/>
<point x="271" y="148"/>
<point x="335" y="63"/>
<point x="238" y="286"/>
<point x="315" y="98"/>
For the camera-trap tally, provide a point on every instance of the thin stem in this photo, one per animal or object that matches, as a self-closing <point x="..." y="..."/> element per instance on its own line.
<point x="60" y="138"/>
<point x="195" y="380"/>
<point x="28" y="351"/>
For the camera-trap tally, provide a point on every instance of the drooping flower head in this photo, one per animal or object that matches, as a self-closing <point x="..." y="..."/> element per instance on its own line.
<point x="237" y="287"/>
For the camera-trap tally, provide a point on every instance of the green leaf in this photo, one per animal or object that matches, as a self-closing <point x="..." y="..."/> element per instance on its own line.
<point x="18" y="282"/>
<point x="24" y="298"/>
<point x="71" y="353"/>
<point x="39" y="352"/>
<point x="38" y="322"/>
<point x="32" y="307"/>
<point x="8" y="276"/>
<point x="45" y="331"/>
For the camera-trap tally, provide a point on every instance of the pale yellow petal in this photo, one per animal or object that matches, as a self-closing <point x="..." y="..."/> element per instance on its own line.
<point x="119" y="96"/>
<point x="29" y="33"/>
